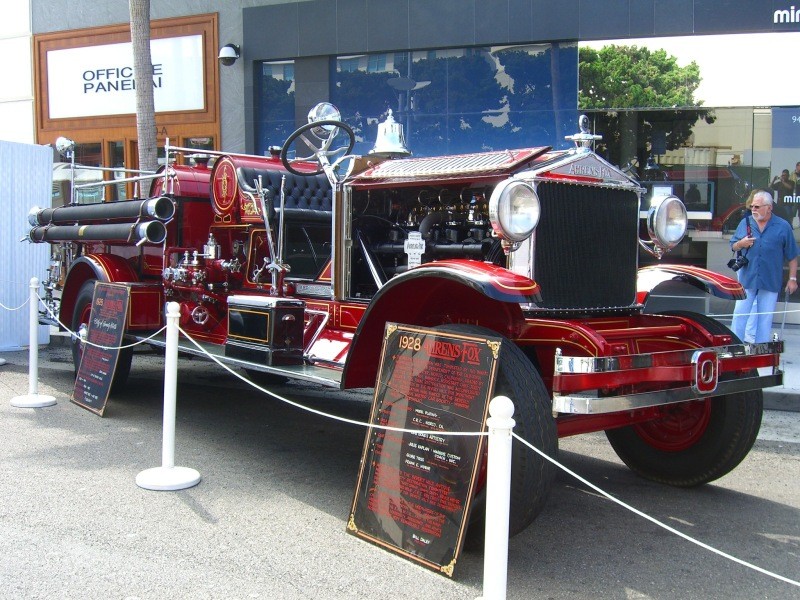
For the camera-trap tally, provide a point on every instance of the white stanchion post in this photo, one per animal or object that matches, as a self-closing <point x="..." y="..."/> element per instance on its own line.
<point x="498" y="496"/>
<point x="33" y="399"/>
<point x="168" y="476"/>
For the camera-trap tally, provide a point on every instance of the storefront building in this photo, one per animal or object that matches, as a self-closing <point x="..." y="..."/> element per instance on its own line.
<point x="461" y="75"/>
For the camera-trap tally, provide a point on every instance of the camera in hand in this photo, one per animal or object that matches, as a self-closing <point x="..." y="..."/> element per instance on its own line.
<point x="737" y="262"/>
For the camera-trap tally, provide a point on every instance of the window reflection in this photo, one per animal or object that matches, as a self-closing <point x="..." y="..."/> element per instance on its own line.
<point x="116" y="151"/>
<point x="199" y="157"/>
<point x="712" y="139"/>
<point x="449" y="101"/>
<point x="87" y="154"/>
<point x="464" y="99"/>
<point x="275" y="119"/>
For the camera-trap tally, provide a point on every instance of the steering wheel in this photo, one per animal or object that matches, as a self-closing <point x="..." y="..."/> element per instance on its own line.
<point x="319" y="147"/>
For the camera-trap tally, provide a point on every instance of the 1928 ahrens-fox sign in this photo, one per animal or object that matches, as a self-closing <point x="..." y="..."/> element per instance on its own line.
<point x="291" y="266"/>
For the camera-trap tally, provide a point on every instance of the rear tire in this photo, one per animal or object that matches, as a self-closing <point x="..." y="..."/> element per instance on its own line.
<point x="80" y="316"/>
<point x="531" y="475"/>
<point x="697" y="441"/>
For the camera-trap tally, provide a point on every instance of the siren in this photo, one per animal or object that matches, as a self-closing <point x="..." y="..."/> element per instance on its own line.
<point x="390" y="142"/>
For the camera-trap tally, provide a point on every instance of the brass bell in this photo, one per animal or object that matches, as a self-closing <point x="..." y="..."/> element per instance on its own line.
<point x="390" y="142"/>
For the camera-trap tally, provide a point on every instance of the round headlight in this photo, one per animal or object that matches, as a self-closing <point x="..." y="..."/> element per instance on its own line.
<point x="514" y="210"/>
<point x="667" y="221"/>
<point x="324" y="111"/>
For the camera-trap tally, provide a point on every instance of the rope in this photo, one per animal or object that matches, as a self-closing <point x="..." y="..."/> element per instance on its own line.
<point x="531" y="446"/>
<point x="23" y="305"/>
<point x="322" y="413"/>
<point x="774" y="312"/>
<point x="654" y="520"/>
<point x="442" y="433"/>
<point x="76" y="336"/>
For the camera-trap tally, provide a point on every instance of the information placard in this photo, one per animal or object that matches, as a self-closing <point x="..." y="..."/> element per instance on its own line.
<point x="106" y="328"/>
<point x="414" y="489"/>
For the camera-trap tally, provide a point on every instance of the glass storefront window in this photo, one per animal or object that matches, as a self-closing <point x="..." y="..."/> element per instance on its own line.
<point x="200" y="144"/>
<point x="86" y="154"/>
<point x="682" y="116"/>
<point x="449" y="101"/>
<point x="462" y="99"/>
<point x="275" y="119"/>
<point x="116" y="151"/>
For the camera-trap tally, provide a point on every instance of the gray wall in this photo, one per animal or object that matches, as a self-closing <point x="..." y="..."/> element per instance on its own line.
<point x="311" y="30"/>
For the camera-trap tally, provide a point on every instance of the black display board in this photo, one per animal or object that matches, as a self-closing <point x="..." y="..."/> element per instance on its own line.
<point x="106" y="328"/>
<point x="414" y="490"/>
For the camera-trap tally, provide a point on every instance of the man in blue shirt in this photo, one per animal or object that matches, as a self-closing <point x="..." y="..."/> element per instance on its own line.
<point x="767" y="242"/>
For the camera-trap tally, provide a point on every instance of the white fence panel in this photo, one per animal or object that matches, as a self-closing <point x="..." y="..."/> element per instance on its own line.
<point x="26" y="180"/>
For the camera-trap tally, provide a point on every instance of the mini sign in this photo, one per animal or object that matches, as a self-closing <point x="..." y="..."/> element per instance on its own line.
<point x="414" y="489"/>
<point x="106" y="328"/>
<point x="414" y="247"/>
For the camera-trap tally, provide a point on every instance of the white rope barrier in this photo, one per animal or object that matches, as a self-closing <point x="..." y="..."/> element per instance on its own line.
<point x="654" y="520"/>
<point x="498" y="498"/>
<point x="753" y="314"/>
<point x="495" y="575"/>
<point x="77" y="336"/>
<point x="33" y="399"/>
<point x="320" y="412"/>
<point x="21" y="306"/>
<point x="170" y="477"/>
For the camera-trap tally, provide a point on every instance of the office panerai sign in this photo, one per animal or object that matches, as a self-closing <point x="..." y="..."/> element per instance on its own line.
<point x="98" y="80"/>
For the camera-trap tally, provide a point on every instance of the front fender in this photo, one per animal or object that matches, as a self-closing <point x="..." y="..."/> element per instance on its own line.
<point x="101" y="267"/>
<point x="452" y="291"/>
<point x="710" y="282"/>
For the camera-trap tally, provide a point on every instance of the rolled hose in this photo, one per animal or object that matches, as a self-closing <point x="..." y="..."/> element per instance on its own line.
<point x="150" y="232"/>
<point x="161" y="209"/>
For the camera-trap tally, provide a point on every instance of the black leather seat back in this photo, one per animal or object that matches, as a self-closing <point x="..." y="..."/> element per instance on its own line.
<point x="307" y="197"/>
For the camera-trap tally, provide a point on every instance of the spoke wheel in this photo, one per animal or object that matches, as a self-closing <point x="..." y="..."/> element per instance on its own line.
<point x="694" y="442"/>
<point x="683" y="426"/>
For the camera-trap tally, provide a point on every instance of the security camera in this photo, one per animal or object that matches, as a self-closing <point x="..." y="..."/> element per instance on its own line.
<point x="65" y="147"/>
<point x="228" y="54"/>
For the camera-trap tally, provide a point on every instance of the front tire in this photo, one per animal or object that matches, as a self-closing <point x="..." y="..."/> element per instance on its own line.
<point x="697" y="441"/>
<point x="80" y="316"/>
<point x="531" y="475"/>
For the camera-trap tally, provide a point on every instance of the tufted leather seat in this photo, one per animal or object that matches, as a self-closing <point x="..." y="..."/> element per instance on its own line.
<point x="307" y="197"/>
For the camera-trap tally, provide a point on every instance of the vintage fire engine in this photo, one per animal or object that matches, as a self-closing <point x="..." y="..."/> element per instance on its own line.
<point x="290" y="266"/>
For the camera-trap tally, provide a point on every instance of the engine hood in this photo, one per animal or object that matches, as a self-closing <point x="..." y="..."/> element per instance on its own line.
<point x="578" y="166"/>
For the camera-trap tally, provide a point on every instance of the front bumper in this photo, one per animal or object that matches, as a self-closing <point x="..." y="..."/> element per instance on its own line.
<point x="600" y="385"/>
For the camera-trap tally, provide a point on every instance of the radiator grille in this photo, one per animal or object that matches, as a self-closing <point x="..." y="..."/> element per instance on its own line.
<point x="586" y="247"/>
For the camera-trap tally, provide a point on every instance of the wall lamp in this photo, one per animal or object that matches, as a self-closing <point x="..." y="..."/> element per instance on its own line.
<point x="228" y="54"/>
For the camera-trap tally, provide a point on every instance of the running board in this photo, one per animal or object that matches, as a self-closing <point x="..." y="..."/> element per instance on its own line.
<point x="328" y="377"/>
<point x="580" y="404"/>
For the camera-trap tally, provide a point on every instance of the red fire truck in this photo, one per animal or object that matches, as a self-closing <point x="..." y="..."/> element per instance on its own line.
<point x="289" y="266"/>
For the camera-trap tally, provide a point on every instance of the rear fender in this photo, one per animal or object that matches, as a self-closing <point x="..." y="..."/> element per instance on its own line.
<point x="467" y="292"/>
<point x="100" y="267"/>
<point x="710" y="282"/>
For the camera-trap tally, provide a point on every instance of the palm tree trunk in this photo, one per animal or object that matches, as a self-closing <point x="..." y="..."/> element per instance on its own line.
<point x="143" y="74"/>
